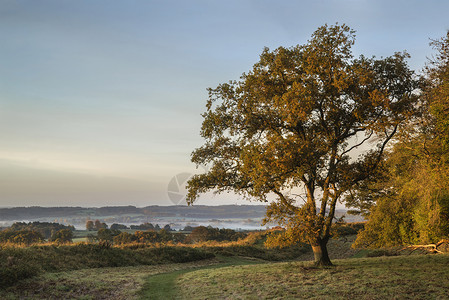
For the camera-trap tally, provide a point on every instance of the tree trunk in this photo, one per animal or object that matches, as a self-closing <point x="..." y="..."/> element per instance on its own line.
<point x="320" y="253"/>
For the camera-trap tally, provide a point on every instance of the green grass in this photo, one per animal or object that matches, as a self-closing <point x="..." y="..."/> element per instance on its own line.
<point x="163" y="286"/>
<point x="238" y="272"/>
<point x="79" y="240"/>
<point x="97" y="283"/>
<point x="81" y="233"/>
<point x="399" y="277"/>
<point x="21" y="263"/>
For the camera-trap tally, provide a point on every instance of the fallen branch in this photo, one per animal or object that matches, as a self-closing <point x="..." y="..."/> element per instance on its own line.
<point x="432" y="248"/>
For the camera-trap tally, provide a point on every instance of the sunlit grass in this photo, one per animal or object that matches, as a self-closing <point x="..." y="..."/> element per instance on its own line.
<point x="400" y="277"/>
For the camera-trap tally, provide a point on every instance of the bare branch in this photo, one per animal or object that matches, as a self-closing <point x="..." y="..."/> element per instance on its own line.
<point x="357" y="145"/>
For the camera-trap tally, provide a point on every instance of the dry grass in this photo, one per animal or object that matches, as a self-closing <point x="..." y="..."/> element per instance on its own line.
<point x="18" y="263"/>
<point x="400" y="277"/>
<point x="99" y="283"/>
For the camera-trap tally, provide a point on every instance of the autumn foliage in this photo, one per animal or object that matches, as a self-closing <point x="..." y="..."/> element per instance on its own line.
<point x="295" y="126"/>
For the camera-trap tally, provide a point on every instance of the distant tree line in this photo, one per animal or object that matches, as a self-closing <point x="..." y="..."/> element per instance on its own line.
<point x="147" y="233"/>
<point x="46" y="229"/>
<point x="203" y="234"/>
<point x="25" y="237"/>
<point x="198" y="234"/>
<point x="36" y="232"/>
<point x="97" y="225"/>
<point x="149" y="226"/>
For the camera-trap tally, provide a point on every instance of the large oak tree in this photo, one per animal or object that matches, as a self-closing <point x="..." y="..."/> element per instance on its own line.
<point x="301" y="120"/>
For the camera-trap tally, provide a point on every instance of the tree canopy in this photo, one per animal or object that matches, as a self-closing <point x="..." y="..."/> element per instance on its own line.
<point x="296" y="127"/>
<point x="412" y="199"/>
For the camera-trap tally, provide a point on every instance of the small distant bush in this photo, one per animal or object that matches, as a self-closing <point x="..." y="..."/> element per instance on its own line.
<point x="124" y="238"/>
<point x="203" y="234"/>
<point x="144" y="226"/>
<point x="95" y="225"/>
<point x="148" y="237"/>
<point x="91" y="238"/>
<point x="116" y="226"/>
<point x="21" y="237"/>
<point x="108" y="235"/>
<point x="62" y="236"/>
<point x="100" y="225"/>
<point x="188" y="228"/>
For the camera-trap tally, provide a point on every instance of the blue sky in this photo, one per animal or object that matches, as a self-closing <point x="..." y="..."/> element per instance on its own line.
<point x="100" y="101"/>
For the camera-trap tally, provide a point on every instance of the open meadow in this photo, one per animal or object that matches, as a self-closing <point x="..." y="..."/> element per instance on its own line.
<point x="398" y="277"/>
<point x="93" y="283"/>
<point x="229" y="271"/>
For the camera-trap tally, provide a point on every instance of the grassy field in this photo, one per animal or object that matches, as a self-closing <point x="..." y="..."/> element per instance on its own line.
<point x="398" y="277"/>
<point x="18" y="263"/>
<point x="394" y="277"/>
<point x="98" y="283"/>
<point x="238" y="271"/>
<point x="163" y="286"/>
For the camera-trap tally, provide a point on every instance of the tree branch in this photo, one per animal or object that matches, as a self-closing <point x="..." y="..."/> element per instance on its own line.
<point x="357" y="145"/>
<point x="284" y="200"/>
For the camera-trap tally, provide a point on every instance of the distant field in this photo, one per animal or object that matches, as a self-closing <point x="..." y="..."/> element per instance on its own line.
<point x="79" y="239"/>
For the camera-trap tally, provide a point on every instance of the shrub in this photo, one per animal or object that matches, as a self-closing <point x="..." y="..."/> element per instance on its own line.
<point x="124" y="238"/>
<point x="116" y="226"/>
<point x="202" y="234"/>
<point x="20" y="263"/>
<point x="46" y="229"/>
<point x="108" y="235"/>
<point x="25" y="237"/>
<point x="62" y="236"/>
